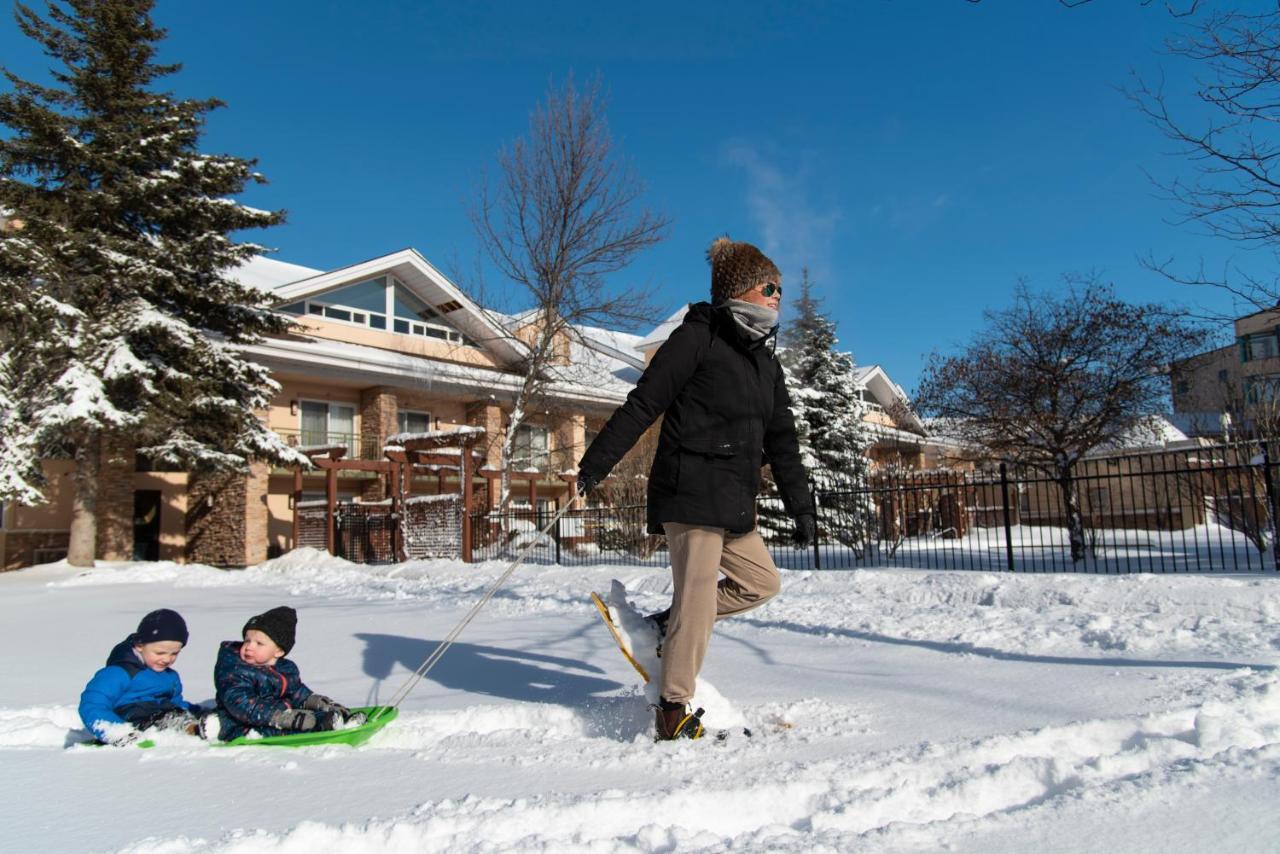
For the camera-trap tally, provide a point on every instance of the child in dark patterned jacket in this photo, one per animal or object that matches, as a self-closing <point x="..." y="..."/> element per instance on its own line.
<point x="260" y="690"/>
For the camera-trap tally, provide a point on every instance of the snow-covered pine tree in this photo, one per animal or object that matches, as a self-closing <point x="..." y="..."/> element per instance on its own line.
<point x="117" y="317"/>
<point x="828" y="410"/>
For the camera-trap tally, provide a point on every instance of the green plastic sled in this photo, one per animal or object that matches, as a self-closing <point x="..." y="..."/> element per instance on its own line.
<point x="353" y="737"/>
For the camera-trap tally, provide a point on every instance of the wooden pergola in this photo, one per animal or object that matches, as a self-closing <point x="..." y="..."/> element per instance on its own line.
<point x="398" y="465"/>
<point x="531" y="480"/>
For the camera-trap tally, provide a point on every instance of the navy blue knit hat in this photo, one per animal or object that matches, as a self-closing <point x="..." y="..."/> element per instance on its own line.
<point x="162" y="625"/>
<point x="280" y="624"/>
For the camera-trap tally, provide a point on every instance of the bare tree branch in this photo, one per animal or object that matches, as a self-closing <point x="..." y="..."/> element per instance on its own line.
<point x="564" y="215"/>
<point x="1235" y="194"/>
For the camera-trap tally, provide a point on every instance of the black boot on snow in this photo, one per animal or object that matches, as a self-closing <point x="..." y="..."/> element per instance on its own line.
<point x="674" y="720"/>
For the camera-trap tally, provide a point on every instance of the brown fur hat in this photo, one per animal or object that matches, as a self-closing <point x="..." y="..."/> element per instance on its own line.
<point x="737" y="268"/>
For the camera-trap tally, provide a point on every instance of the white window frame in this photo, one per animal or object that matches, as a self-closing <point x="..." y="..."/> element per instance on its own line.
<point x="318" y="306"/>
<point x="328" y="429"/>
<point x="532" y="462"/>
<point x="420" y="328"/>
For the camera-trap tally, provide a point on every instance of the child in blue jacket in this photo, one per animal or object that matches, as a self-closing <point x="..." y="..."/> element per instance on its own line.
<point x="138" y="686"/>
<point x="259" y="690"/>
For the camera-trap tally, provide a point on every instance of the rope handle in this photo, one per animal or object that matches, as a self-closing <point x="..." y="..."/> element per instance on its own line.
<point x="443" y="647"/>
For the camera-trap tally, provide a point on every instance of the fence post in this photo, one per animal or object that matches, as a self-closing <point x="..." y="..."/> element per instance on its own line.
<point x="1008" y="525"/>
<point x="557" y="533"/>
<point x="817" y="555"/>
<point x="1271" y="503"/>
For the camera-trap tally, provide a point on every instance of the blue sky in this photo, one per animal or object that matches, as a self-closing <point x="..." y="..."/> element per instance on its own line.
<point x="919" y="157"/>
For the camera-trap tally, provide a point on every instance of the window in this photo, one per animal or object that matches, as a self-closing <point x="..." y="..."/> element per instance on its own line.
<point x="1264" y="389"/>
<point x="1222" y="376"/>
<point x="408" y="421"/>
<point x="1183" y="387"/>
<point x="415" y="317"/>
<point x="1260" y="345"/>
<point x="373" y="303"/>
<point x="588" y="439"/>
<point x="325" y="423"/>
<point x="529" y="450"/>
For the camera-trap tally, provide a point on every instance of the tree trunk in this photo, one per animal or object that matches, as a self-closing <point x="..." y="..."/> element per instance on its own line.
<point x="1071" y="507"/>
<point x="83" y="542"/>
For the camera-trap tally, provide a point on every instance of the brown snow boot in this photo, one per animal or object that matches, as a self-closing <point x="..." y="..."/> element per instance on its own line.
<point x="674" y="720"/>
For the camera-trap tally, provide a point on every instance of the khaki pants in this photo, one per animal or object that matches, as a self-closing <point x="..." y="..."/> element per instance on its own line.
<point x="698" y="556"/>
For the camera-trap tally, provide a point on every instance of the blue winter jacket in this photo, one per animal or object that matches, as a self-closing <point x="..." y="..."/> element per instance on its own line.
<point x="250" y="694"/>
<point x="126" y="681"/>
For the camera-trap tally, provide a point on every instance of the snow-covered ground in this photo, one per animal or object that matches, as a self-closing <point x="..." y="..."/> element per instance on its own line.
<point x="892" y="710"/>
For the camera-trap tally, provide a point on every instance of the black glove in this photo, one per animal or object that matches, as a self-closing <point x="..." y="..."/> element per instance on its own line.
<point x="587" y="482"/>
<point x="296" y="720"/>
<point x="321" y="703"/>
<point x="806" y="529"/>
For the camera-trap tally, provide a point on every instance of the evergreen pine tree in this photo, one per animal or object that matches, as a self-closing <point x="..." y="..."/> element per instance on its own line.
<point x="828" y="410"/>
<point x="117" y="316"/>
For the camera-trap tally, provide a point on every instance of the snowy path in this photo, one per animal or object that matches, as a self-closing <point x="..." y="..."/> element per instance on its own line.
<point x="970" y="712"/>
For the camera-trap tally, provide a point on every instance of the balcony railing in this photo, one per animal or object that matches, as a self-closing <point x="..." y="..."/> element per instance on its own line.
<point x="321" y="438"/>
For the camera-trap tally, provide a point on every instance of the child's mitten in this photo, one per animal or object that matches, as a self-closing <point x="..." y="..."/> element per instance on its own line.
<point x="298" y="720"/>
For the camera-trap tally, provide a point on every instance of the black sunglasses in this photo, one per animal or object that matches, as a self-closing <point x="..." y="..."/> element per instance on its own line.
<point x="771" y="289"/>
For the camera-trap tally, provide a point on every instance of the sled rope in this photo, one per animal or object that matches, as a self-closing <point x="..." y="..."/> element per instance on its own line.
<point x="443" y="646"/>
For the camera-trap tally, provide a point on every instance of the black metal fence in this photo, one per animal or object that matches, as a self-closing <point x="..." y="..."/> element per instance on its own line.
<point x="1203" y="509"/>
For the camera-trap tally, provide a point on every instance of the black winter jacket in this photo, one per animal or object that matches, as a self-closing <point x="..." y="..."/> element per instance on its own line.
<point x="727" y="413"/>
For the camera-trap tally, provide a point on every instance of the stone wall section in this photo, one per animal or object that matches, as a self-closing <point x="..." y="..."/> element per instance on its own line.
<point x="115" y="501"/>
<point x="227" y="517"/>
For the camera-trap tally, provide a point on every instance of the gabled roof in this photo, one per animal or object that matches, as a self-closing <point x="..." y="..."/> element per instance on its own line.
<point x="609" y="358"/>
<point x="888" y="394"/>
<point x="407" y="265"/>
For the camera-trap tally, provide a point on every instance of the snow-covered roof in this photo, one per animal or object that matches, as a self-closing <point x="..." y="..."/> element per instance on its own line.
<point x="610" y="356"/>
<point x="1158" y="431"/>
<point x="602" y="356"/>
<point x="407" y="265"/>
<point x="888" y="394"/>
<point x="619" y="346"/>
<point x="605" y="361"/>
<point x="1207" y="423"/>
<point x="269" y="275"/>
<point x="662" y="331"/>
<point x="326" y="359"/>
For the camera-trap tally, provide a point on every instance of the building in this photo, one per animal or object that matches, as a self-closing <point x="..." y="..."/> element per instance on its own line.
<point x="1233" y="388"/>
<point x="380" y="347"/>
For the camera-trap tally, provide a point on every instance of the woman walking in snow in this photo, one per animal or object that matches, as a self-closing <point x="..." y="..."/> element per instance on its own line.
<point x="719" y="387"/>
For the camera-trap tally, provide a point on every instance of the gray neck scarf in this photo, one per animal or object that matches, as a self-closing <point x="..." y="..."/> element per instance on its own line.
<point x="755" y="321"/>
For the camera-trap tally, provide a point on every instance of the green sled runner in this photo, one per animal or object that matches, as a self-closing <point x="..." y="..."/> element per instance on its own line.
<point x="379" y="716"/>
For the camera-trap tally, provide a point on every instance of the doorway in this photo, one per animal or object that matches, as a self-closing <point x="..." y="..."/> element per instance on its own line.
<point x="146" y="524"/>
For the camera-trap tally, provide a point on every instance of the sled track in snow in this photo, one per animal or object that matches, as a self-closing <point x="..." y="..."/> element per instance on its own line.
<point x="753" y="797"/>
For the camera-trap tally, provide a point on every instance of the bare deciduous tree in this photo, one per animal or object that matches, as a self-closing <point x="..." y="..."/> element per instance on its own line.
<point x="1056" y="376"/>
<point x="564" y="215"/>
<point x="1236" y="192"/>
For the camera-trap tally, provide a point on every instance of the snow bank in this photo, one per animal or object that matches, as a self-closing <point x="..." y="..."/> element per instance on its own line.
<point x="891" y="710"/>
<point x="918" y="795"/>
